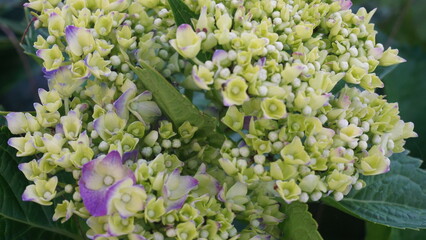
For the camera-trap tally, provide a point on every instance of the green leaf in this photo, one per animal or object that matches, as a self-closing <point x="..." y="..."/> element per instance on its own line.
<point x="299" y="224"/>
<point x="176" y="106"/>
<point x="396" y="199"/>
<point x="181" y="12"/>
<point x="17" y="215"/>
<point x="398" y="234"/>
<point x="377" y="231"/>
<point x="380" y="232"/>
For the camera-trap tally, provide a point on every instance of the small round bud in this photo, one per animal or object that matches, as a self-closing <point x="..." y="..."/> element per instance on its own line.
<point x="171" y="232"/>
<point x="125" y="67"/>
<point x="279" y="46"/>
<point x="202" y="35"/>
<point x="307" y="110"/>
<point x="316" y="196"/>
<point x="377" y="139"/>
<point x="263" y="74"/>
<point x="278" y="21"/>
<point x="353" y="144"/>
<point x="146" y="151"/>
<point x="115" y="60"/>
<point x="76" y="196"/>
<point x="139" y="28"/>
<point x="209" y="65"/>
<point x="322" y="118"/>
<point x="259" y="159"/>
<point x="244" y="151"/>
<point x="225" y="73"/>
<point x="68" y="188"/>
<point x="156" y="149"/>
<point x="273" y="136"/>
<point x="296" y="82"/>
<point x="176" y="143"/>
<point x="342" y="123"/>
<point x="263" y="91"/>
<point x="258" y="169"/>
<point x="103" y="146"/>
<point x="224" y="235"/>
<point x="242" y="164"/>
<point x="338" y="196"/>
<point x="232" y="55"/>
<point x="365" y="126"/>
<point x="51" y="39"/>
<point x="158" y="236"/>
<point x="166" y="143"/>
<point x="112" y="76"/>
<point x="304" y="197"/>
<point x="235" y="152"/>
<point x="76" y="174"/>
<point x="158" y="22"/>
<point x="362" y="145"/>
<point x="94" y="134"/>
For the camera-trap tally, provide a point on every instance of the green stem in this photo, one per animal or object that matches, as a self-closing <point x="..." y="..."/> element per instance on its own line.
<point x="198" y="62"/>
<point x="4" y="113"/>
<point x="67" y="105"/>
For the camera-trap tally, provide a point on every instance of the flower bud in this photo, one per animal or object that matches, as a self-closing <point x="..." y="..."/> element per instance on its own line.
<point x="289" y="190"/>
<point x="187" y="42"/>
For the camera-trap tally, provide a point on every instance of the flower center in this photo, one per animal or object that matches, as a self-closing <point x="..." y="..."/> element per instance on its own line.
<point x="125" y="221"/>
<point x="84" y="160"/>
<point x="151" y="213"/>
<point x="235" y="90"/>
<point x="126" y="198"/>
<point x="273" y="107"/>
<point x="108" y="180"/>
<point x="184" y="235"/>
<point x="47" y="195"/>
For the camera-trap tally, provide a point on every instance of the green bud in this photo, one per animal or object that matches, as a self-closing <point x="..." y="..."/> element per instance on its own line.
<point x="338" y="181"/>
<point x="137" y="129"/>
<point x="390" y="57"/>
<point x="273" y="108"/>
<point x="294" y="153"/>
<point x="120" y="226"/>
<point x="166" y="130"/>
<point x="187" y="131"/>
<point x="283" y="171"/>
<point x="155" y="209"/>
<point x="234" y="119"/>
<point x="186" y="231"/>
<point x="289" y="190"/>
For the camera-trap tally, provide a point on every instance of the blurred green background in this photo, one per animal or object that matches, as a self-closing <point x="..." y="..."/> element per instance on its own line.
<point x="401" y="24"/>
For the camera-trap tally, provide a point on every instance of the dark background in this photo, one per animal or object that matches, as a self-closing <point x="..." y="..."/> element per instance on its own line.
<point x="401" y="24"/>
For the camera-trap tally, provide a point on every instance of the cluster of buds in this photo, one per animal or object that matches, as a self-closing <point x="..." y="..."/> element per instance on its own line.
<point x="274" y="66"/>
<point x="267" y="67"/>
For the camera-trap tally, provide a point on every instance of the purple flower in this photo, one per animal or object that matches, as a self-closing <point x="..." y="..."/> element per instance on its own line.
<point x="345" y="4"/>
<point x="100" y="179"/>
<point x="176" y="189"/>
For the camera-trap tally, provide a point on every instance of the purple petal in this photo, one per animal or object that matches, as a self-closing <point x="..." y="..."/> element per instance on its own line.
<point x="261" y="62"/>
<point x="59" y="128"/>
<point x="132" y="155"/>
<point x="51" y="74"/>
<point x="71" y="32"/>
<point x="219" y="55"/>
<point x="121" y="103"/>
<point x="97" y="202"/>
<point x="184" y="27"/>
<point x="345" y="4"/>
<point x="221" y="195"/>
<point x="176" y="204"/>
<point x="186" y="184"/>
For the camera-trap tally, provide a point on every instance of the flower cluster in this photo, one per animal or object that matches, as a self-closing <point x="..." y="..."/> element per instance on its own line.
<point x="275" y="64"/>
<point x="104" y="151"/>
